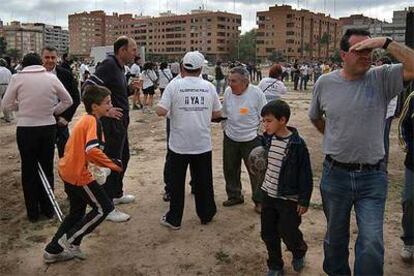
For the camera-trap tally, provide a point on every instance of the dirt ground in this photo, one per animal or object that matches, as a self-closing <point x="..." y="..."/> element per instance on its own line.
<point x="230" y="245"/>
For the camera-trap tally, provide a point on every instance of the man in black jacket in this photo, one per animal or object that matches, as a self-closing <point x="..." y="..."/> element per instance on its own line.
<point x="66" y="63"/>
<point x="111" y="74"/>
<point x="49" y="59"/>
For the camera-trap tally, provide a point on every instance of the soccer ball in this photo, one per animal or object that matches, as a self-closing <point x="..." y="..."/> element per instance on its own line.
<point x="257" y="161"/>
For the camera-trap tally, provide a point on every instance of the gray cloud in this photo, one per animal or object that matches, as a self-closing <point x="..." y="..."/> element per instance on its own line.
<point x="56" y="11"/>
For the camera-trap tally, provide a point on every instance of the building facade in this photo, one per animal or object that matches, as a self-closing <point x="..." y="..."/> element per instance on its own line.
<point x="55" y="36"/>
<point x="24" y="38"/>
<point x="377" y="28"/>
<point x="397" y="28"/>
<point x="296" y="34"/>
<point x="168" y="36"/>
<point x="86" y="30"/>
<point x="32" y="37"/>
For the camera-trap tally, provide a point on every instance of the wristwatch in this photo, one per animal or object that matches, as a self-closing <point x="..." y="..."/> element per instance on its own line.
<point x="388" y="40"/>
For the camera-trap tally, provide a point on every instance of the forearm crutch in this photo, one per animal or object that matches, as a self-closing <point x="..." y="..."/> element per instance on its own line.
<point x="50" y="193"/>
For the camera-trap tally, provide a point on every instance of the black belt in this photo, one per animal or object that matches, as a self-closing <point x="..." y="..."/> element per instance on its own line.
<point x="354" y="166"/>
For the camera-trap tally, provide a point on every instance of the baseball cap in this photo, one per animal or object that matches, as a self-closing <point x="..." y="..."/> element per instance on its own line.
<point x="193" y="60"/>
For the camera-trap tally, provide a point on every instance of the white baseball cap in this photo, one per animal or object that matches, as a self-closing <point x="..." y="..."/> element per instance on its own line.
<point x="193" y="60"/>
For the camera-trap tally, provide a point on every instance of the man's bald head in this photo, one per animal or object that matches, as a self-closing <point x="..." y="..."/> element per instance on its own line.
<point x="125" y="49"/>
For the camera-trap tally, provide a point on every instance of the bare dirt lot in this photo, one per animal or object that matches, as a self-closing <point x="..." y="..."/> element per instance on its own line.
<point x="230" y="245"/>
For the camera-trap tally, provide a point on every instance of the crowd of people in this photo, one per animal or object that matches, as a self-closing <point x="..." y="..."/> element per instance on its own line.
<point x="349" y="107"/>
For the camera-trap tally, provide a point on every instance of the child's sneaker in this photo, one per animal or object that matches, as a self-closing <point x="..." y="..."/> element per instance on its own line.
<point x="298" y="263"/>
<point x="164" y="222"/>
<point x="117" y="216"/>
<point x="59" y="257"/>
<point x="407" y="253"/>
<point x="63" y="242"/>
<point x="275" y="272"/>
<point x="77" y="252"/>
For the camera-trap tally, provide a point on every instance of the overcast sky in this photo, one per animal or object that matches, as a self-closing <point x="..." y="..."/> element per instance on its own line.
<point x="56" y="11"/>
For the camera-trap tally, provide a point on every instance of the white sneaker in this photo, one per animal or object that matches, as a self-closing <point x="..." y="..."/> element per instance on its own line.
<point x="59" y="257"/>
<point x="117" y="216"/>
<point x="77" y="252"/>
<point x="407" y="253"/>
<point x="125" y="199"/>
<point x="164" y="222"/>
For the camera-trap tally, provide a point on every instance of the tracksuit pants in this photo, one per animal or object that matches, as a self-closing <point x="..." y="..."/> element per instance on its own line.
<point x="76" y="224"/>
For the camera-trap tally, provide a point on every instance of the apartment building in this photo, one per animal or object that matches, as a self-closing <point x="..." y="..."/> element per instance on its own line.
<point x="54" y="36"/>
<point x="296" y="34"/>
<point x="397" y="28"/>
<point x="167" y="36"/>
<point x="32" y="37"/>
<point x="170" y="36"/>
<point x="25" y="38"/>
<point x="376" y="27"/>
<point x="359" y="21"/>
<point x="91" y="29"/>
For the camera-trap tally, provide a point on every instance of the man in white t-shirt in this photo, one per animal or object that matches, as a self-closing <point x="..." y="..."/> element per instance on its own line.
<point x="191" y="103"/>
<point x="242" y="105"/>
<point x="135" y="72"/>
<point x="82" y="70"/>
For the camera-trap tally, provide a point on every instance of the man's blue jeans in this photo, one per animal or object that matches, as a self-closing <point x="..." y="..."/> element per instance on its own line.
<point x="366" y="191"/>
<point x="408" y="208"/>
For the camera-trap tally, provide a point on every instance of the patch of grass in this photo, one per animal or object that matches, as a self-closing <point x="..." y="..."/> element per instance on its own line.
<point x="222" y="257"/>
<point x="316" y="206"/>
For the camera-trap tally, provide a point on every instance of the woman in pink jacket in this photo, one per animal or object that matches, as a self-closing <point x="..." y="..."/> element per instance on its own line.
<point x="37" y="96"/>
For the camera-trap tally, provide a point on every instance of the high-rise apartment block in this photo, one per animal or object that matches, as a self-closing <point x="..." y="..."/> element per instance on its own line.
<point x="32" y="37"/>
<point x="396" y="29"/>
<point x="169" y="36"/>
<point x="296" y="34"/>
<point x="54" y="36"/>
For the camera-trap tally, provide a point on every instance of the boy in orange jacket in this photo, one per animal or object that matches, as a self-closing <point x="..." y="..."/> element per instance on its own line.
<point x="84" y="148"/>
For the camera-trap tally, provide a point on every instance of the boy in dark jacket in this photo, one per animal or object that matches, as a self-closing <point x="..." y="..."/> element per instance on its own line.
<point x="287" y="188"/>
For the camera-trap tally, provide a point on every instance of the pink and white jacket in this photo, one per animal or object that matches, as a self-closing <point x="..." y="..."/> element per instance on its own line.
<point x="37" y="96"/>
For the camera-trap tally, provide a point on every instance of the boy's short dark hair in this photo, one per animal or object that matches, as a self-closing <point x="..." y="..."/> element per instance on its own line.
<point x="277" y="108"/>
<point x="94" y="94"/>
<point x="344" y="44"/>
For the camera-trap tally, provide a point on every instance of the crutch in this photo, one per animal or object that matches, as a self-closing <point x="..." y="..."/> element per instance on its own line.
<point x="50" y="193"/>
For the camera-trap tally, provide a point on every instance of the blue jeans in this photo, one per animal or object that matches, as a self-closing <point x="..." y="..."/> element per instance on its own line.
<point x="219" y="86"/>
<point x="366" y="191"/>
<point x="408" y="208"/>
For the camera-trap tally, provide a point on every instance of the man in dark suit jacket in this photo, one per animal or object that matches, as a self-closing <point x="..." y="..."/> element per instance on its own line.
<point x="49" y="58"/>
<point x="66" y="63"/>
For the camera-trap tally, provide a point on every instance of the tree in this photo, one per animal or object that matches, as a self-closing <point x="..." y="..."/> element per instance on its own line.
<point x="336" y="57"/>
<point x="277" y="56"/>
<point x="245" y="49"/>
<point x="3" y="45"/>
<point x="324" y="39"/>
<point x="14" y="54"/>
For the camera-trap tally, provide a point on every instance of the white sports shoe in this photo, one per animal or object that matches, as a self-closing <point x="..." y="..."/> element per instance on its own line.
<point x="164" y="222"/>
<point x="407" y="253"/>
<point x="125" y="199"/>
<point x="77" y="252"/>
<point x="59" y="257"/>
<point x="117" y="216"/>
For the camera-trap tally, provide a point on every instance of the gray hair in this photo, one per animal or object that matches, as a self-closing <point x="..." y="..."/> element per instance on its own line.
<point x="241" y="71"/>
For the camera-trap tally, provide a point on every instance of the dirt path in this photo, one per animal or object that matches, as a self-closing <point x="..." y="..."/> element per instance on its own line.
<point x="230" y="245"/>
